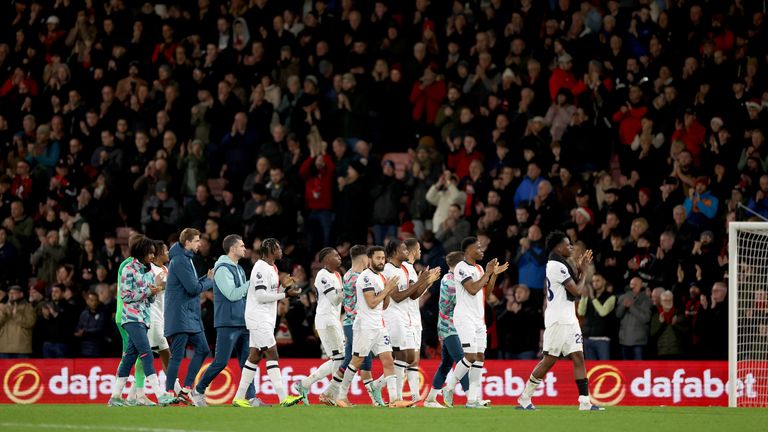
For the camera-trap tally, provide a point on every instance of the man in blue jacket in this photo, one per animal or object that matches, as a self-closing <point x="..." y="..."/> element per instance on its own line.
<point x="230" y="286"/>
<point x="183" y="324"/>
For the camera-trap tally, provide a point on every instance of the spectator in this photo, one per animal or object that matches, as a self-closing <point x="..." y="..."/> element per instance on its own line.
<point x="17" y="319"/>
<point x="714" y="319"/>
<point x="517" y="311"/>
<point x="669" y="328"/>
<point x="48" y="256"/>
<point x="454" y="229"/>
<point x="9" y="271"/>
<point x="57" y="324"/>
<point x="160" y="213"/>
<point x="20" y="227"/>
<point x="386" y="194"/>
<point x="92" y="327"/>
<point x="634" y="311"/>
<point x="701" y="205"/>
<point x="528" y="188"/>
<point x="317" y="172"/>
<point x="442" y="195"/>
<point x="597" y="308"/>
<point x="531" y="262"/>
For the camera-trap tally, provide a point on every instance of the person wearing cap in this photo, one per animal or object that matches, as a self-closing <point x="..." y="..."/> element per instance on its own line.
<point x="562" y="77"/>
<point x="160" y="212"/>
<point x="17" y="319"/>
<point x="701" y="205"/>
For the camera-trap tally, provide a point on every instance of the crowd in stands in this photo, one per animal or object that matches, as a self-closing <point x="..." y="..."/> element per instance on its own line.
<point x="636" y="126"/>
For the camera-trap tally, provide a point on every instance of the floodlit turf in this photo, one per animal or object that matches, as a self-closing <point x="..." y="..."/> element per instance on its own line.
<point x="317" y="418"/>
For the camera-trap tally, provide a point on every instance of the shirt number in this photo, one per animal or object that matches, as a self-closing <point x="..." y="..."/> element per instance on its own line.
<point x="550" y="294"/>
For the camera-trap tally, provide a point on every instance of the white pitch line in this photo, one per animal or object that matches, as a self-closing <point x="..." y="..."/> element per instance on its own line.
<point x="89" y="427"/>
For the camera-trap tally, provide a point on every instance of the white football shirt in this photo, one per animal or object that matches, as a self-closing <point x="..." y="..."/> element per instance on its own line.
<point x="367" y="318"/>
<point x="468" y="306"/>
<point x="414" y="304"/>
<point x="263" y="276"/>
<point x="327" y="313"/>
<point x="397" y="313"/>
<point x="559" y="310"/>
<point x="157" y="307"/>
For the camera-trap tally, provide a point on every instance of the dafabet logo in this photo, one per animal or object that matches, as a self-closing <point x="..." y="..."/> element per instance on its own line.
<point x="23" y="384"/>
<point x="219" y="394"/>
<point x="608" y="386"/>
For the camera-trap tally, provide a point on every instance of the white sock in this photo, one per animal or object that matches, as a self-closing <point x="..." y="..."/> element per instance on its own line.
<point x="323" y="371"/>
<point x="530" y="387"/>
<point x="246" y="378"/>
<point x="380" y="381"/>
<point x="117" y="388"/>
<point x="273" y="370"/>
<point x="349" y="375"/>
<point x="333" y="388"/>
<point x="413" y="383"/>
<point x="155" y="384"/>
<point x="461" y="369"/>
<point x="400" y="367"/>
<point x="432" y="396"/>
<point x="391" y="381"/>
<point x="177" y="386"/>
<point x="475" y="376"/>
<point x="140" y="391"/>
<point x="584" y="400"/>
<point x="132" y="392"/>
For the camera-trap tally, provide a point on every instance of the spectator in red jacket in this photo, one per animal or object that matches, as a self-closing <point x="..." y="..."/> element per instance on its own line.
<point x="562" y="77"/>
<point x="629" y="119"/>
<point x="459" y="161"/>
<point x="317" y="172"/>
<point x="692" y="133"/>
<point x="426" y="96"/>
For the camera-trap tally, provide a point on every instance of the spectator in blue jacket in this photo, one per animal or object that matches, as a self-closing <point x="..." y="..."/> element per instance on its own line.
<point x="230" y="286"/>
<point x="529" y="187"/>
<point x="183" y="324"/>
<point x="532" y="264"/>
<point x="701" y="205"/>
<point x="759" y="200"/>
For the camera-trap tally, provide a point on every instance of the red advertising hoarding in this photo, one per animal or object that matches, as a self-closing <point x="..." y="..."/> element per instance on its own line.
<point x="656" y="383"/>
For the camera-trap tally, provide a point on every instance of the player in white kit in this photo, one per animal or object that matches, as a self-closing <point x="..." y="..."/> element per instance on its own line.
<point x="329" y="296"/>
<point x="399" y="315"/>
<point x="260" y="317"/>
<point x="562" y="334"/>
<point x="474" y="287"/>
<point x="412" y="372"/>
<point x="370" y="332"/>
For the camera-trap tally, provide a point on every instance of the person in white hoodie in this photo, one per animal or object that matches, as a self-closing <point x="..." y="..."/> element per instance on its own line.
<point x="442" y="195"/>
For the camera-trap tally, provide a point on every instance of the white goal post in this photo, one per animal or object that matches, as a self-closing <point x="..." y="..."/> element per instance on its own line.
<point x="747" y="320"/>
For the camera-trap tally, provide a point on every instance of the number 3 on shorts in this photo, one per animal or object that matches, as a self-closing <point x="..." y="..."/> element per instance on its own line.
<point x="386" y="340"/>
<point x="579" y="339"/>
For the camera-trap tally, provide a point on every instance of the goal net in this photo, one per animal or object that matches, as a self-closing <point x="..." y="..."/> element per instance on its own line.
<point x="748" y="314"/>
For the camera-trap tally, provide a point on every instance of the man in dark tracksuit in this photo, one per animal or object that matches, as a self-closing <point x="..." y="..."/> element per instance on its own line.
<point x="230" y="286"/>
<point x="183" y="324"/>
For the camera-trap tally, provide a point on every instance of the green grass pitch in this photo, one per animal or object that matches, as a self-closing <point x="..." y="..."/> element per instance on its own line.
<point x="318" y="418"/>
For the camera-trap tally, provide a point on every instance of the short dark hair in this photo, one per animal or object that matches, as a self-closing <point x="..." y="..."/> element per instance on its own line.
<point x="230" y="241"/>
<point x="373" y="249"/>
<point x="268" y="246"/>
<point x="356" y="250"/>
<point x="324" y="252"/>
<point x="142" y="247"/>
<point x="454" y="258"/>
<point x="467" y="242"/>
<point x="554" y="238"/>
<point x="411" y="243"/>
<point x="392" y="247"/>
<point x="187" y="234"/>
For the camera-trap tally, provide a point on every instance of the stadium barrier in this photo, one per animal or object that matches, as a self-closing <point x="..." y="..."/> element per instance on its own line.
<point x="686" y="383"/>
